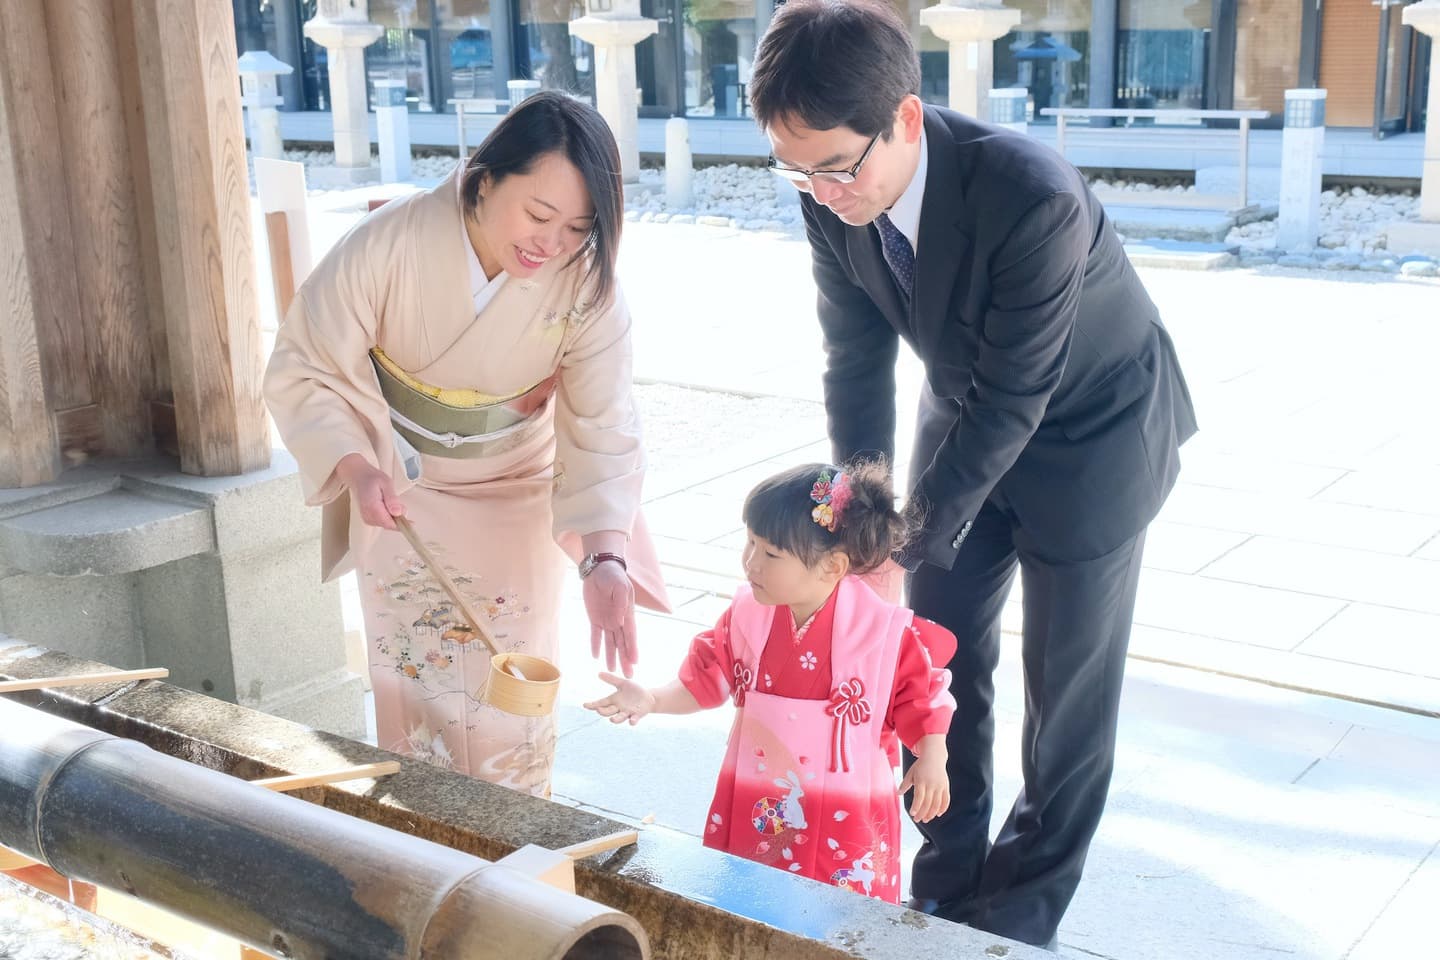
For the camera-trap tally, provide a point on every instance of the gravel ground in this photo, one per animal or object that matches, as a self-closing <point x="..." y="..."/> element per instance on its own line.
<point x="1353" y="218"/>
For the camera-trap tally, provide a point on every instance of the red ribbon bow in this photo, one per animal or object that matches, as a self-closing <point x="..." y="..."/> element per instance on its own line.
<point x="743" y="678"/>
<point x="847" y="705"/>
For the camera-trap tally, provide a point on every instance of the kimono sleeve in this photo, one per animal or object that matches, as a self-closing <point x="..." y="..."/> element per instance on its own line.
<point x="319" y="384"/>
<point x="600" y="461"/>
<point x="709" y="669"/>
<point x="921" y="703"/>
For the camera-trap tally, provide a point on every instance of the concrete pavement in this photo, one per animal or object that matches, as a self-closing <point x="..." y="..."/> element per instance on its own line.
<point x="1297" y="815"/>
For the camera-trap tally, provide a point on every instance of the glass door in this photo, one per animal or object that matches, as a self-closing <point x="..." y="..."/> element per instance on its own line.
<point x="718" y="42"/>
<point x="659" y="61"/>
<point x="1392" y="72"/>
<point x="1048" y="54"/>
<point x="1162" y="53"/>
<point x="546" y="51"/>
<point x="403" y="50"/>
<point x="1268" y="41"/>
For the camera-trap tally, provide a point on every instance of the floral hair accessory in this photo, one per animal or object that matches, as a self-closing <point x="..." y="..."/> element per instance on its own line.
<point x="831" y="494"/>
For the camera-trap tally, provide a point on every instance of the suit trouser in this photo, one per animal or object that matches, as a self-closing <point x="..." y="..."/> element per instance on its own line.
<point x="1076" y="630"/>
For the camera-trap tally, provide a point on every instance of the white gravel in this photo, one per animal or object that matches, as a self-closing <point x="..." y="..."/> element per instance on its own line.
<point x="747" y="197"/>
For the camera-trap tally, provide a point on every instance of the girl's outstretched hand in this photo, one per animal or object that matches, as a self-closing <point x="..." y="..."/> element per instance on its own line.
<point x="630" y="701"/>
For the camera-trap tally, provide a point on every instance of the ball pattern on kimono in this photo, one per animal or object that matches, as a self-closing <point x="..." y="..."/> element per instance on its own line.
<point x="841" y="879"/>
<point x="766" y="816"/>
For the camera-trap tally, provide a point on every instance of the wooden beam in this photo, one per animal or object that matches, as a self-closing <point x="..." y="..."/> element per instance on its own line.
<point x="107" y="264"/>
<point x="28" y="308"/>
<point x="282" y="270"/>
<point x="79" y="434"/>
<point x="41" y="202"/>
<point x="162" y="424"/>
<point x="127" y="56"/>
<point x="10" y="860"/>
<point x="185" y="51"/>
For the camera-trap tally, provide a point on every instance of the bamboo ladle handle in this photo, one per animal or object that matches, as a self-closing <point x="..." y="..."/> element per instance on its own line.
<point x="452" y="591"/>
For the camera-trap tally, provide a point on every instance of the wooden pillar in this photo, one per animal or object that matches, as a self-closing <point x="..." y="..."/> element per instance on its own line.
<point x="184" y="67"/>
<point x="42" y="338"/>
<point x="104" y="229"/>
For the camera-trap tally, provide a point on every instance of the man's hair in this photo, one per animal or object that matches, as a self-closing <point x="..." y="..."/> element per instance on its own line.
<point x="834" y="63"/>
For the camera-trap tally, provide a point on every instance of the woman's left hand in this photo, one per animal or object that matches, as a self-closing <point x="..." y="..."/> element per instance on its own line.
<point x="610" y="604"/>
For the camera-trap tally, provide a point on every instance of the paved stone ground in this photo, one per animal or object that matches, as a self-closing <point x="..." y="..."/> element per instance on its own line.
<point x="1278" y="774"/>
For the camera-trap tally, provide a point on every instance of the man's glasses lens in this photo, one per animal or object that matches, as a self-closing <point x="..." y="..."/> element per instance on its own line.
<point x="800" y="176"/>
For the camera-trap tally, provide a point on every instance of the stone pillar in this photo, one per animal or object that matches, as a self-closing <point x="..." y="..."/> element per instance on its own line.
<point x="1300" y="147"/>
<point x="971" y="27"/>
<point x="678" y="163"/>
<point x="1424" y="236"/>
<point x="614" y="27"/>
<point x="1007" y="108"/>
<point x="344" y="29"/>
<point x="260" y="95"/>
<point x="392" y="122"/>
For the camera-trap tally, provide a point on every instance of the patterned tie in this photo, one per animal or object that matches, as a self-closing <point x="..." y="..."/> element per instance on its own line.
<point x="898" y="254"/>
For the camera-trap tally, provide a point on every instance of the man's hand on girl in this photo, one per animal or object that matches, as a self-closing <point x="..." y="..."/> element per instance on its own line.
<point x="372" y="491"/>
<point x="630" y="701"/>
<point x="610" y="604"/>
<point x="929" y="780"/>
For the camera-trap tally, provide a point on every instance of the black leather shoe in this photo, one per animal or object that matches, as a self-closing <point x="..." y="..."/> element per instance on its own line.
<point x="923" y="906"/>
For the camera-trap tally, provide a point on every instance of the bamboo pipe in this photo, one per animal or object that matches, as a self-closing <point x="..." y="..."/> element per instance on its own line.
<point x="269" y="870"/>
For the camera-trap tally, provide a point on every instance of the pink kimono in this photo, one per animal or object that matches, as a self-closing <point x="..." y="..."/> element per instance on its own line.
<point x="808" y="784"/>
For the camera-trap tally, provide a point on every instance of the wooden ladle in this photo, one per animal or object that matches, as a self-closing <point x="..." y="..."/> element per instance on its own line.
<point x="518" y="683"/>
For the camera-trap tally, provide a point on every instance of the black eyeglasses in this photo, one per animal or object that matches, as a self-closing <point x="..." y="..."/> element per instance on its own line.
<point x="829" y="176"/>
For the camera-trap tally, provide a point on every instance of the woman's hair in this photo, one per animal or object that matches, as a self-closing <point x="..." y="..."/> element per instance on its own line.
<point x="553" y="122"/>
<point x="794" y="510"/>
<point x="834" y="63"/>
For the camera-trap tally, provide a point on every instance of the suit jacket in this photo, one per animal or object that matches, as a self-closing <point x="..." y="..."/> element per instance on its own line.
<point x="1051" y="384"/>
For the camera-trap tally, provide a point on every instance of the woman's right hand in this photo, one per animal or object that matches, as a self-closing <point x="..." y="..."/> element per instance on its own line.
<point x="372" y="490"/>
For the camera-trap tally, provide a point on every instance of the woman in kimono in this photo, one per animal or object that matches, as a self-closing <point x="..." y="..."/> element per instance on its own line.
<point x="462" y="358"/>
<point x="825" y="676"/>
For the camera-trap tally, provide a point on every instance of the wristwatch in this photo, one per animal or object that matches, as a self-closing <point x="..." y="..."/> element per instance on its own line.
<point x="588" y="565"/>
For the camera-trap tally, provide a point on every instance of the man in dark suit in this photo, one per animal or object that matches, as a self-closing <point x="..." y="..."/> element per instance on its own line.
<point x="1048" y="432"/>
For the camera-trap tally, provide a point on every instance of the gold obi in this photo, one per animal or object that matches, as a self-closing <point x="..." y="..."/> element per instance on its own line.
<point x="458" y="424"/>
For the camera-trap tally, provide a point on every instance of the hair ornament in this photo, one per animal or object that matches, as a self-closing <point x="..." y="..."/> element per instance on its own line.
<point x="831" y="494"/>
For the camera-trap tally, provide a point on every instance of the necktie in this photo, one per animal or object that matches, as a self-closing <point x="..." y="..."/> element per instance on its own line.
<point x="898" y="254"/>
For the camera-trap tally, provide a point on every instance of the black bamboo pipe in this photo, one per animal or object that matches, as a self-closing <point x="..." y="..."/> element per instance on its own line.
<point x="274" y="872"/>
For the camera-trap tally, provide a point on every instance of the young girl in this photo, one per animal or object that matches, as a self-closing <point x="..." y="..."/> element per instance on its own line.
<point x="824" y="675"/>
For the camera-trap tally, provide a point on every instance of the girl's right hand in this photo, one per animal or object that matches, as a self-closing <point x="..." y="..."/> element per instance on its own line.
<point x="630" y="701"/>
<point x="372" y="491"/>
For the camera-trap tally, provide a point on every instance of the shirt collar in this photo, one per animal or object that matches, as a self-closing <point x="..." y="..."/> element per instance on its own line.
<point x="905" y="213"/>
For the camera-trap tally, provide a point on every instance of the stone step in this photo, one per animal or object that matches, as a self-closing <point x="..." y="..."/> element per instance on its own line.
<point x="1182" y="254"/>
<point x="116" y="532"/>
<point x="1171" y="223"/>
